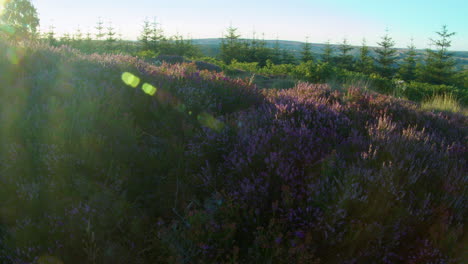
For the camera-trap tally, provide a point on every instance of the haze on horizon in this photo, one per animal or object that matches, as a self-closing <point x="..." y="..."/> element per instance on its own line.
<point x="318" y="20"/>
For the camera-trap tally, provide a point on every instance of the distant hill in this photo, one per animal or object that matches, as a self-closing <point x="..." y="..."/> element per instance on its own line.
<point x="210" y="47"/>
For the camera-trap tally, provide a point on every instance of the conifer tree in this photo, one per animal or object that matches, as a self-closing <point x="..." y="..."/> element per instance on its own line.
<point x="345" y="60"/>
<point x="386" y="56"/>
<point x="306" y="53"/>
<point x="259" y="52"/>
<point x="365" y="63"/>
<point x="439" y="63"/>
<point x="88" y="37"/>
<point x="156" y="36"/>
<point x="327" y="55"/>
<point x="110" y="37"/>
<point x="78" y="36"/>
<point x="231" y="47"/>
<point x="287" y="57"/>
<point x="50" y="35"/>
<point x="407" y="69"/>
<point x="276" y="53"/>
<point x="87" y="44"/>
<point x="145" y="35"/>
<point x="65" y="39"/>
<point x="100" y="29"/>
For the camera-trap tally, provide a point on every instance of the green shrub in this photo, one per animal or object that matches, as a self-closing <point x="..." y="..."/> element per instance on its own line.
<point x="418" y="92"/>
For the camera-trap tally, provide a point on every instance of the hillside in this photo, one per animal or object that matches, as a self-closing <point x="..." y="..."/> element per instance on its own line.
<point x="108" y="159"/>
<point x="210" y="47"/>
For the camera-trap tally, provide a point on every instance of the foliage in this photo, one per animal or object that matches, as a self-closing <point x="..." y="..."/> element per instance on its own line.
<point x="345" y="61"/>
<point x="327" y="55"/>
<point x="231" y="46"/>
<point x="386" y="56"/>
<point x="445" y="102"/>
<point x="407" y="69"/>
<point x="306" y="53"/>
<point x="145" y="36"/>
<point x="315" y="176"/>
<point x="418" y="91"/>
<point x="365" y="63"/>
<point x="110" y="37"/>
<point x="92" y="162"/>
<point x="115" y="160"/>
<point x="100" y="29"/>
<point x="439" y="63"/>
<point x="50" y="36"/>
<point x="19" y="20"/>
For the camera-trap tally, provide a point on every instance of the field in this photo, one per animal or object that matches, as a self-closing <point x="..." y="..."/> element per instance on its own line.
<point x="109" y="159"/>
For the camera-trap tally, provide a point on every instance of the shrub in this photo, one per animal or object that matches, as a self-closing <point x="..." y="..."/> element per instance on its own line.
<point x="316" y="175"/>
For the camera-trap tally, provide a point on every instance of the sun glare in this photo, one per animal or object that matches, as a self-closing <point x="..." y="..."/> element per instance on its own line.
<point x="2" y="5"/>
<point x="149" y="89"/>
<point x="130" y="79"/>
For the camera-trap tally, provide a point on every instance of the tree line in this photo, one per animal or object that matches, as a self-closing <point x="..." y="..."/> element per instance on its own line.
<point x="19" y="21"/>
<point x="435" y="66"/>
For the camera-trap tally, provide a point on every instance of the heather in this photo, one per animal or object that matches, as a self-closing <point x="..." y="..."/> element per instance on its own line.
<point x="109" y="159"/>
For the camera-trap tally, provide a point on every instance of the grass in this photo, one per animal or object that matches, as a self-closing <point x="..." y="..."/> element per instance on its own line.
<point x="444" y="103"/>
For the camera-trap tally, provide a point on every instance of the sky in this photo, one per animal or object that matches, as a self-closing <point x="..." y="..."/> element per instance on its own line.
<point x="319" y="21"/>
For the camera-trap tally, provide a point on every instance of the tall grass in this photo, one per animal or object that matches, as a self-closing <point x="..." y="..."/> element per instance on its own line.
<point x="444" y="102"/>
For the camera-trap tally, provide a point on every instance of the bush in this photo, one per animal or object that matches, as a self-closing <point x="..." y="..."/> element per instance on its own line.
<point x="319" y="176"/>
<point x="421" y="91"/>
<point x="90" y="158"/>
<point x="114" y="160"/>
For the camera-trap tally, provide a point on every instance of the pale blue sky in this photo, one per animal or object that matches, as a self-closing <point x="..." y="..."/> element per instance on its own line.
<point x="288" y="19"/>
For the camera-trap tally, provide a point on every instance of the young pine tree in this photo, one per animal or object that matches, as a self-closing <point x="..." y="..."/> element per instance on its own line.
<point x="327" y="55"/>
<point x="145" y="35"/>
<point x="262" y="52"/>
<point x="287" y="57"/>
<point x="100" y="29"/>
<point x="365" y="64"/>
<point x="386" y="57"/>
<point x="231" y="47"/>
<point x="345" y="60"/>
<point x="78" y="37"/>
<point x="65" y="39"/>
<point x="276" y="53"/>
<point x="110" y="37"/>
<point x="87" y="43"/>
<point x="306" y="53"/>
<point x="156" y="37"/>
<point x="50" y="35"/>
<point x="407" y="69"/>
<point x="439" y="63"/>
<point x="88" y="38"/>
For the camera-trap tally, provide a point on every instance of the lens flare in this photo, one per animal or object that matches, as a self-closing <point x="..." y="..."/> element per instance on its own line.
<point x="2" y="5"/>
<point x="149" y="89"/>
<point x="130" y="79"/>
<point x="15" y="54"/>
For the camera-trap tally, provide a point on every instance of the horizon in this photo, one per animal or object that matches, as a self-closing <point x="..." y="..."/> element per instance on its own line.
<point x="319" y="43"/>
<point x="297" y="21"/>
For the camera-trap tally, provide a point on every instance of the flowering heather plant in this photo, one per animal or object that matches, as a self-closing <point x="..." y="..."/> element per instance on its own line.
<point x="316" y="175"/>
<point x="108" y="159"/>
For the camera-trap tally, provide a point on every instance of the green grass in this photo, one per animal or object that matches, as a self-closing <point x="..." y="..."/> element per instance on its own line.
<point x="445" y="103"/>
